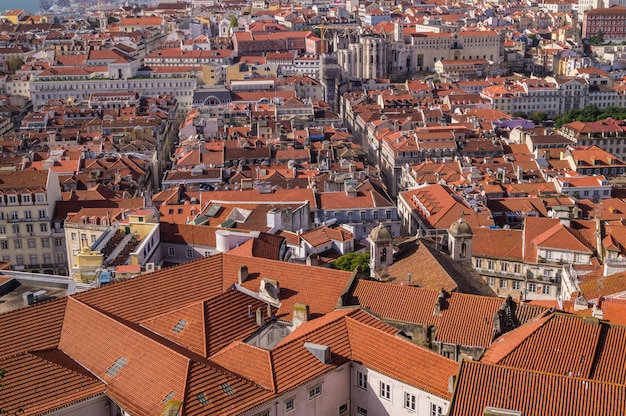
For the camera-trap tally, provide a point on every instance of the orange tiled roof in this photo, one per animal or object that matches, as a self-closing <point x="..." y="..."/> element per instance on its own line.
<point x="467" y="320"/>
<point x="564" y="344"/>
<point x="530" y="393"/>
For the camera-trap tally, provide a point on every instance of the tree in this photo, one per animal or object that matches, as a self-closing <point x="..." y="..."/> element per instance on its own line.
<point x="538" y="117"/>
<point x="519" y="114"/>
<point x="351" y="261"/>
<point x="597" y="38"/>
<point x="15" y="63"/>
<point x="233" y="21"/>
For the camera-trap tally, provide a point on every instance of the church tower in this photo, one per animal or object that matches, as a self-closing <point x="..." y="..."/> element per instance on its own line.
<point x="460" y="241"/>
<point x="381" y="249"/>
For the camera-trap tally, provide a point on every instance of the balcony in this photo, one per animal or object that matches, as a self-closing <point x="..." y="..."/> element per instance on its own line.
<point x="498" y="273"/>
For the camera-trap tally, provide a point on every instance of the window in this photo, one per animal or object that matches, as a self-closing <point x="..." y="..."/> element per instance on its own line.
<point x="171" y="251"/>
<point x="16" y="229"/>
<point x="361" y="380"/>
<point x="315" y="391"/>
<point x="504" y="266"/>
<point x="58" y="242"/>
<point x="3" y="229"/>
<point x="33" y="260"/>
<point x="289" y="405"/>
<point x="43" y="227"/>
<point x="375" y="215"/>
<point x="362" y="215"/>
<point x="189" y="253"/>
<point x="343" y="409"/>
<point x="31" y="243"/>
<point x="266" y="413"/>
<point x="388" y="214"/>
<point x="4" y="244"/>
<point x="13" y="215"/>
<point x="516" y="285"/>
<point x="492" y="281"/>
<point x="19" y="259"/>
<point x="361" y="411"/>
<point x="435" y="410"/>
<point x="28" y="215"/>
<point x="385" y="390"/>
<point x="545" y="289"/>
<point x="409" y="401"/>
<point x="73" y="236"/>
<point x="503" y="284"/>
<point x="517" y="268"/>
<point x="29" y="228"/>
<point x="478" y="263"/>
<point x="41" y="198"/>
<point x="532" y="287"/>
<point x="42" y="214"/>
<point x="12" y="199"/>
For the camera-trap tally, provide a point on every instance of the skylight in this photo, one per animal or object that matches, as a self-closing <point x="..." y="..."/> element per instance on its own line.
<point x="227" y="389"/>
<point x="202" y="399"/>
<point x="178" y="328"/>
<point x="117" y="366"/>
<point x="168" y="397"/>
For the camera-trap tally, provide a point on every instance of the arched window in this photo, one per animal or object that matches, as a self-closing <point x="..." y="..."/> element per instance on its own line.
<point x="463" y="249"/>
<point x="383" y="254"/>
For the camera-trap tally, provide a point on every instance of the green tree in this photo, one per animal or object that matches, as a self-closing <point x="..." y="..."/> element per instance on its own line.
<point x="597" y="38"/>
<point x="351" y="261"/>
<point x="519" y="114"/>
<point x="15" y="63"/>
<point x="233" y="21"/>
<point x="538" y="117"/>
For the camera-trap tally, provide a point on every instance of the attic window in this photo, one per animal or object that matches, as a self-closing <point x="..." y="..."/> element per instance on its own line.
<point x="228" y="389"/>
<point x="168" y="397"/>
<point x="178" y="328"/>
<point x="202" y="399"/>
<point x="117" y="366"/>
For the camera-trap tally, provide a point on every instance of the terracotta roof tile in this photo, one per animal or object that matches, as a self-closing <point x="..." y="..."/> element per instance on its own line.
<point x="564" y="344"/>
<point x="39" y="385"/>
<point x="467" y="319"/>
<point x="431" y="375"/>
<point x="18" y="334"/>
<point x="150" y="372"/>
<point x="248" y="361"/>
<point x="207" y="383"/>
<point x="531" y="393"/>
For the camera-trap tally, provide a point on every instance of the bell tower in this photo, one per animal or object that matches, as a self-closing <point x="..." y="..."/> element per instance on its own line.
<point x="381" y="249"/>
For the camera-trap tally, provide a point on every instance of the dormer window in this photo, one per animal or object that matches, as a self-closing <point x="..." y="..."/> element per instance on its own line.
<point x="26" y="199"/>
<point x="12" y="199"/>
<point x="41" y="198"/>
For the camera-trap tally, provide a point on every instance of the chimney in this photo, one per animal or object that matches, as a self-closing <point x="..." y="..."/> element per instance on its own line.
<point x="242" y="274"/>
<point x="301" y="314"/>
<point x="441" y="302"/>
<point x="260" y="319"/>
<point x="451" y="382"/>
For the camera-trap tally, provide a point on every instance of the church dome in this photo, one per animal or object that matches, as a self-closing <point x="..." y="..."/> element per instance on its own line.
<point x="460" y="228"/>
<point x="380" y="234"/>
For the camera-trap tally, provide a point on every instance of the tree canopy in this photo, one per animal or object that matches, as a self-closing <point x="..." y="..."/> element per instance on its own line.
<point x="350" y="262"/>
<point x="591" y="113"/>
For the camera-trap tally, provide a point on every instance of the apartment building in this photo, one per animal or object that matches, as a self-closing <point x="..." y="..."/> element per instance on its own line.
<point x="27" y="237"/>
<point x="63" y="83"/>
<point x="611" y="22"/>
